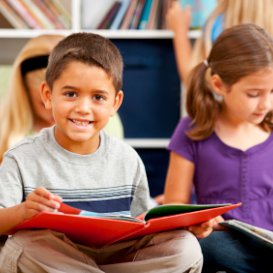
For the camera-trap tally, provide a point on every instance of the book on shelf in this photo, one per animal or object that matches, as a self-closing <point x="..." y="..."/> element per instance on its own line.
<point x="258" y="234"/>
<point x="109" y="16"/>
<point x="129" y="15"/>
<point x="37" y="14"/>
<point x="11" y="16"/>
<point x="154" y="15"/>
<point x="4" y="22"/>
<point x="60" y="15"/>
<point x="96" y="229"/>
<point x="25" y="13"/>
<point x="145" y="14"/>
<point x="137" y="14"/>
<point x="92" y="12"/>
<point x="120" y="14"/>
<point x="62" y="11"/>
<point x="48" y="13"/>
<point x="124" y="14"/>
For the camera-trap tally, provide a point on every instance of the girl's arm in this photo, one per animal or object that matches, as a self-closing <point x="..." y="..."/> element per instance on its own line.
<point x="178" y="189"/>
<point x="37" y="201"/>
<point x="179" y="181"/>
<point x="178" y="20"/>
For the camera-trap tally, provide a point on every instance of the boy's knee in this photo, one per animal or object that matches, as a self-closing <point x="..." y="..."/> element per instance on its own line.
<point x="187" y="244"/>
<point x="186" y="251"/>
<point x="182" y="244"/>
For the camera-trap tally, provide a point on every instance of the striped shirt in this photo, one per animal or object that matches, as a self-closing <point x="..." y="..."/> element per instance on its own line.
<point x="110" y="180"/>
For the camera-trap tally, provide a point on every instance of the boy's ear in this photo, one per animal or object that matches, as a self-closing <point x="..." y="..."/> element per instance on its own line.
<point x="118" y="102"/>
<point x="46" y="95"/>
<point x="218" y="85"/>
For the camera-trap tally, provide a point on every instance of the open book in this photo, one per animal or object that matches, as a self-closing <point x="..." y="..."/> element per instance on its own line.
<point x="96" y="229"/>
<point x="260" y="235"/>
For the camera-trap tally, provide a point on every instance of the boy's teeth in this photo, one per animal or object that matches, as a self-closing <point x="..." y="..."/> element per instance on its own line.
<point x="81" y="123"/>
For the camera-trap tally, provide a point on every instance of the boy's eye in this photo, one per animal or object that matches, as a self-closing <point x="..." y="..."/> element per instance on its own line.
<point x="70" y="94"/>
<point x="99" y="97"/>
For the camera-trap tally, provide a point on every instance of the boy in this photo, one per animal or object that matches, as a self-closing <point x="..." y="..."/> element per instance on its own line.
<point x="77" y="163"/>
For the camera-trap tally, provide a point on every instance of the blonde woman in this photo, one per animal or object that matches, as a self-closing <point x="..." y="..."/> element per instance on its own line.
<point x="22" y="111"/>
<point x="226" y="14"/>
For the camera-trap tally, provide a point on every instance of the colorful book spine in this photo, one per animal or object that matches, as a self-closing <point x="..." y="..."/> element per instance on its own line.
<point x="49" y="14"/>
<point x="56" y="13"/>
<point x="20" y="8"/>
<point x="38" y="14"/>
<point x="145" y="15"/>
<point x="12" y="16"/>
<point x="137" y="14"/>
<point x="120" y="15"/>
<point x="154" y="14"/>
<point x="129" y="14"/>
<point x="61" y="12"/>
<point x="110" y="15"/>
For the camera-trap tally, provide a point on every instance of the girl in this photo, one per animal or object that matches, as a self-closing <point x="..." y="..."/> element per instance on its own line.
<point x="225" y="147"/>
<point x="22" y="111"/>
<point x="226" y="14"/>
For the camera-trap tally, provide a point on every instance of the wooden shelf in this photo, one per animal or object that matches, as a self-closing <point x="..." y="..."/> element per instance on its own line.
<point x="117" y="34"/>
<point x="148" y="142"/>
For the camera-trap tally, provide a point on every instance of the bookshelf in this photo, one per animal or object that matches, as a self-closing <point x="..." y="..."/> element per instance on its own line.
<point x="151" y="107"/>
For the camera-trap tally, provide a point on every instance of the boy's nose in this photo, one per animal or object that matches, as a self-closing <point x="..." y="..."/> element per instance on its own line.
<point x="84" y="106"/>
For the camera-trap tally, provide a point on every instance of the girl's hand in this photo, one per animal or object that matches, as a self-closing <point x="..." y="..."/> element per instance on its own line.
<point x="40" y="200"/>
<point x="203" y="230"/>
<point x="159" y="199"/>
<point x="178" y="19"/>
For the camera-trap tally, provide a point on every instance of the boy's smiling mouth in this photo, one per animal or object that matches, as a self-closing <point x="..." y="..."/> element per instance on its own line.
<point x="81" y="122"/>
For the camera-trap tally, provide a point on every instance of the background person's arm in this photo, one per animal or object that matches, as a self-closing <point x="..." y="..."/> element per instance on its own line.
<point x="178" y="20"/>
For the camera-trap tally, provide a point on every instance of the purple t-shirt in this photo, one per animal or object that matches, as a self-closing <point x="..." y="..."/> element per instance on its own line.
<point x="224" y="174"/>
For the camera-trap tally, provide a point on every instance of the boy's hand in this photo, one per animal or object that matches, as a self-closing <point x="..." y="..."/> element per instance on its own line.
<point x="40" y="200"/>
<point x="203" y="230"/>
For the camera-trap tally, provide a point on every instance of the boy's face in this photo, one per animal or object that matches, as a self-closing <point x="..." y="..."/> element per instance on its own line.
<point x="82" y="100"/>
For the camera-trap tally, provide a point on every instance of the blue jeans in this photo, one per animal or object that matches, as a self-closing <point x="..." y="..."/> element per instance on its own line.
<point x="233" y="252"/>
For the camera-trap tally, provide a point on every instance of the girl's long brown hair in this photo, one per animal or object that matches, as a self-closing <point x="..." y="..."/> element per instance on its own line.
<point x="239" y="51"/>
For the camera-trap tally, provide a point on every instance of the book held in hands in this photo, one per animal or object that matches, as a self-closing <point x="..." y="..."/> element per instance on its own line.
<point x="260" y="235"/>
<point x="96" y="229"/>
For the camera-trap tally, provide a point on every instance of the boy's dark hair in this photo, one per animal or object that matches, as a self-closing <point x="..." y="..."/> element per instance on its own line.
<point x="88" y="48"/>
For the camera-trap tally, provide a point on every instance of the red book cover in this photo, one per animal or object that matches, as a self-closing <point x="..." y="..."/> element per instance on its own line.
<point x="99" y="230"/>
